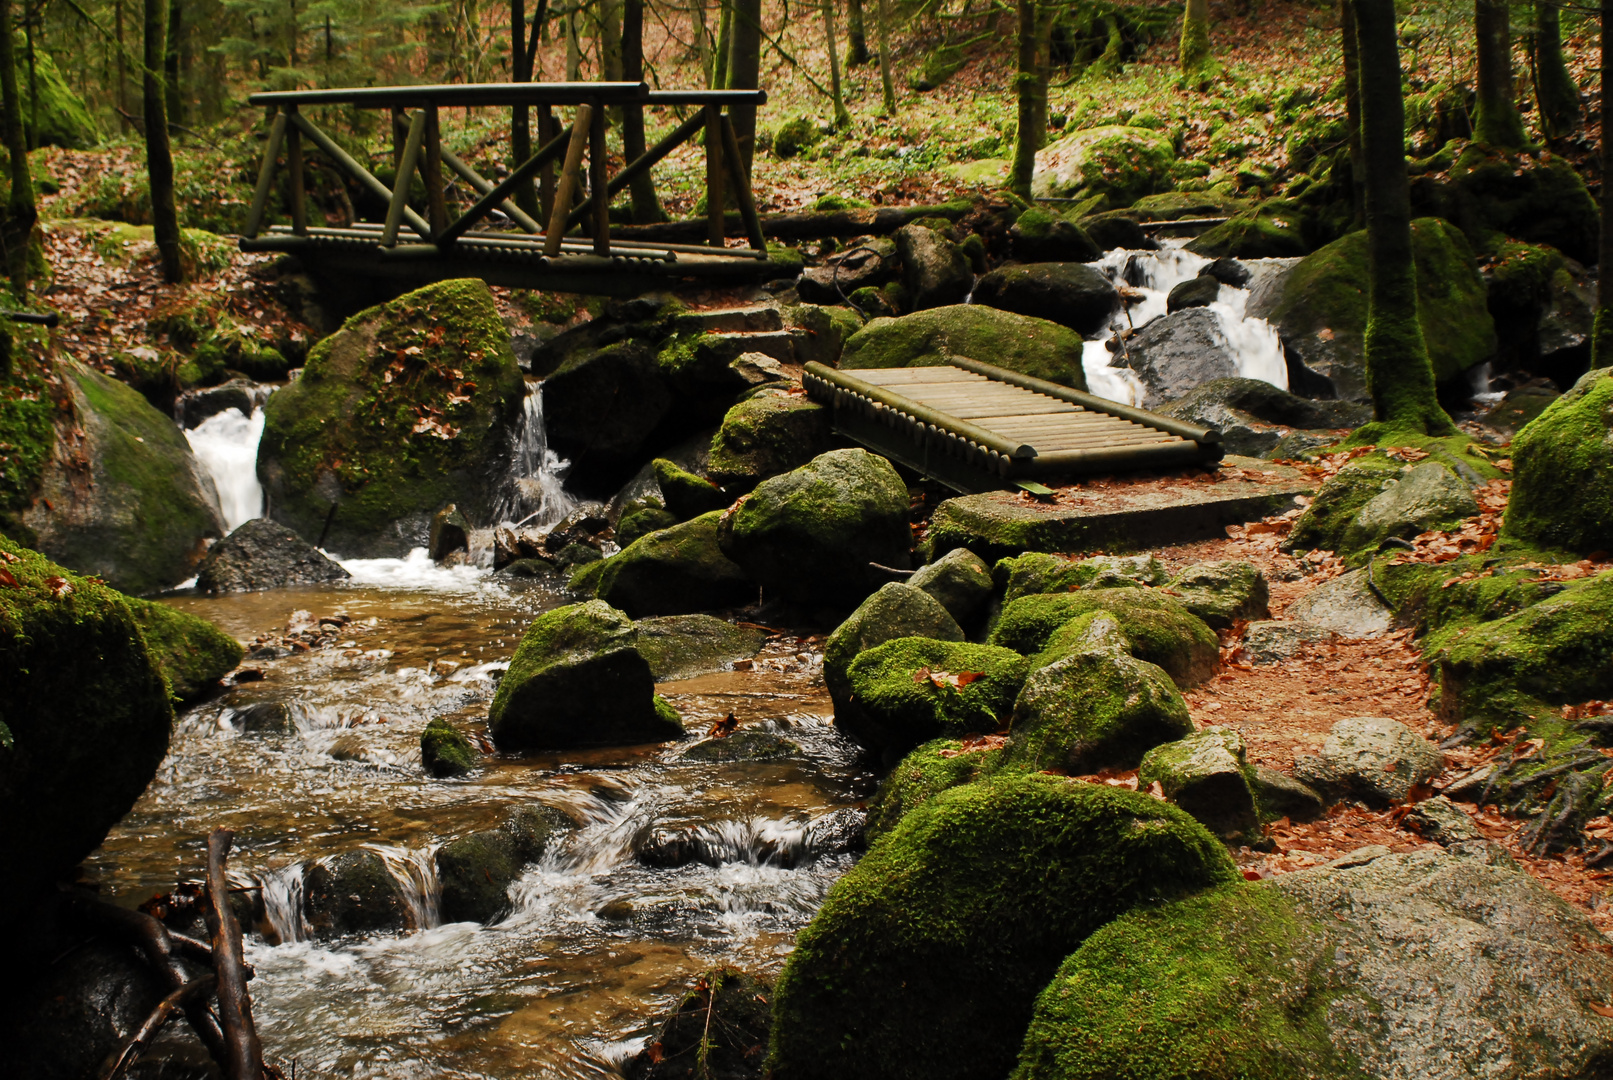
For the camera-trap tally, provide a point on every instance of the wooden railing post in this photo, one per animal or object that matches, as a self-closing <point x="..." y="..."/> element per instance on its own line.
<point x="599" y="181"/>
<point x="299" y="194"/>
<point x="742" y="192"/>
<point x="266" y="171"/>
<point x="715" y="197"/>
<point x="570" y="178"/>
<point x="400" y="122"/>
<point x="407" y="160"/>
<point x="548" y="128"/>
<point x="436" y="201"/>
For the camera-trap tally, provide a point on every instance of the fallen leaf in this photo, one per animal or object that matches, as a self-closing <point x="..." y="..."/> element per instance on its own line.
<point x="723" y="728"/>
<point x="1600" y="1010"/>
<point x="8" y="580"/>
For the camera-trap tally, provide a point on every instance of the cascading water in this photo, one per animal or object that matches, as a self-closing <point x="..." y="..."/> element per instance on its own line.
<point x="226" y="444"/>
<point x="282" y="904"/>
<point x="535" y="492"/>
<point x="1148" y="277"/>
<point x="415" y="871"/>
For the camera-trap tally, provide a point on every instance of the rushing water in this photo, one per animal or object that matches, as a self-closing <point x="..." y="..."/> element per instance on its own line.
<point x="1150" y="276"/>
<point x="226" y="444"/>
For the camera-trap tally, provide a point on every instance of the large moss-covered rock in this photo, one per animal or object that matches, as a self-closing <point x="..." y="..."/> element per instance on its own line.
<point x="811" y="534"/>
<point x="1038" y="572"/>
<point x="477" y="870"/>
<point x="408" y="407"/>
<point x="923" y="774"/>
<point x="1020" y="343"/>
<point x="192" y="653"/>
<point x="84" y="719"/>
<point x="951" y="924"/>
<point x="1067" y="293"/>
<point x="1428" y="496"/>
<point x="1538" y="198"/>
<point x="126" y="500"/>
<point x="959" y="580"/>
<point x="1159" y="629"/>
<point x="600" y="408"/>
<point x="675" y="571"/>
<point x="767" y="435"/>
<point x="1429" y="964"/>
<point x="934" y="271"/>
<point x="1513" y="670"/>
<point x="896" y="610"/>
<point x="914" y="689"/>
<point x="1124" y="163"/>
<point x="683" y="646"/>
<point x="1327" y="520"/>
<point x="578" y="680"/>
<point x="686" y="495"/>
<point x="1089" y="704"/>
<point x="1040" y="237"/>
<point x="1275" y="229"/>
<point x="1207" y="774"/>
<point x="60" y="117"/>
<point x="1223" y="593"/>
<point x="1562" y="471"/>
<point x="1321" y="309"/>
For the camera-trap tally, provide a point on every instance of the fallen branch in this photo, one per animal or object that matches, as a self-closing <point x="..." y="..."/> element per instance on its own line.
<point x="166" y="1010"/>
<point x="243" y="1058"/>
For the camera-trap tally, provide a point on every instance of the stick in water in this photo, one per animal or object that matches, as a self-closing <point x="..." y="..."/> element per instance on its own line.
<point x="165" y="1011"/>
<point x="244" y="1056"/>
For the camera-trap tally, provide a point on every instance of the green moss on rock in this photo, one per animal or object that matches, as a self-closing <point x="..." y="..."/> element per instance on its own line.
<point x="1325" y="522"/>
<point x="1124" y="163"/>
<point x="407" y="408"/>
<point x="927" y="771"/>
<point x="766" y="435"/>
<point x="1275" y="229"/>
<point x="444" y="751"/>
<point x="1020" y="343"/>
<point x="954" y="921"/>
<point x="1158" y="627"/>
<point x="1562" y="469"/>
<point x="674" y="571"/>
<point x="895" y="610"/>
<point x="192" y="653"/>
<point x="904" y="693"/>
<point x="1223" y="593"/>
<point x="1039" y="572"/>
<point x="682" y="646"/>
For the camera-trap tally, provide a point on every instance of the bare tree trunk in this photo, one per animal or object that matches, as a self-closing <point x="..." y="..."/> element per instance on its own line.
<point x="856" y="36"/>
<point x="526" y="197"/>
<point x="159" y="155"/>
<point x="610" y="40"/>
<point x="1399" y="373"/>
<point x="1194" y="52"/>
<point x="1026" y="142"/>
<point x="170" y="62"/>
<point x="1555" y="90"/>
<point x="1352" y="111"/>
<point x="842" y="117"/>
<point x="1497" y="121"/>
<point x="725" y="42"/>
<point x="646" y="207"/>
<point x="1602" y="331"/>
<point x="702" y="39"/>
<point x="887" y="84"/>
<point x="573" y="49"/>
<point x="745" y="71"/>
<point x="1044" y="68"/>
<point x="20" y="212"/>
<point x="123" y="70"/>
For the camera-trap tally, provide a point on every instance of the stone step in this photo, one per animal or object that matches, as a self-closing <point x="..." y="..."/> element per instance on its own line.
<point x="777" y="344"/>
<point x="758" y="319"/>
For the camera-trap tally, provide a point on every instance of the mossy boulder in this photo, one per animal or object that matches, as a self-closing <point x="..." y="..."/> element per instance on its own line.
<point x="1275" y="229"/>
<point x="685" y="494"/>
<point x="1040" y="237"/>
<point x="444" y="751"/>
<point x="934" y="270"/>
<point x="84" y="719"/>
<point x="1158" y="627"/>
<point x="1208" y="774"/>
<point x="766" y="435"/>
<point x="821" y="330"/>
<point x="353" y="893"/>
<point x="632" y="525"/>
<point x="409" y="406"/>
<point x="1562" y="469"/>
<point x="675" y="571"/>
<point x="928" y="770"/>
<point x="59" y="117"/>
<point x="1427" y="496"/>
<point x="915" y="689"/>
<point x="1066" y="293"/>
<point x="477" y="870"/>
<point x="1020" y="343"/>
<point x="1088" y="704"/>
<point x="683" y="646"/>
<point x="959" y="580"/>
<point x="1321" y="309"/>
<point x="811" y="534"/>
<point x="1537" y="198"/>
<point x="192" y="653"/>
<point x="1222" y="593"/>
<point x="1124" y="163"/>
<point x="1519" y="669"/>
<point x="128" y="501"/>
<point x="578" y="680"/>
<point x="1038" y="572"/>
<point x="956" y="919"/>
<point x="1326" y="521"/>
<point x="896" y="610"/>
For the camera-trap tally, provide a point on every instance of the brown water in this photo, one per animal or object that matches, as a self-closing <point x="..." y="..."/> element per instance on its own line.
<point x="555" y="989"/>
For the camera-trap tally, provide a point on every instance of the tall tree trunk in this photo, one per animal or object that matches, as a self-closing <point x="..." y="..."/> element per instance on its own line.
<point x="1352" y="111"/>
<point x="1046" y="13"/>
<point x="30" y="14"/>
<point x="18" y="227"/>
<point x="170" y="62"/>
<point x="573" y="49"/>
<point x="610" y="40"/>
<point x="1194" y="51"/>
<point x="526" y="197"/>
<point x="702" y="40"/>
<point x="725" y="42"/>
<point x="1497" y="121"/>
<point x="1556" y="93"/>
<point x="123" y="69"/>
<point x="886" y="82"/>
<point x="842" y="117"/>
<point x="856" y="36"/>
<point x="1399" y="373"/>
<point x="159" y="155"/>
<point x="1026" y="140"/>
<point x="646" y="207"/>
<point x="1602" y="331"/>
<point x="745" y="72"/>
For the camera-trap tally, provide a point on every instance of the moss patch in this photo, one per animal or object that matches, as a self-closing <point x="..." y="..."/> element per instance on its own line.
<point x="909" y="690"/>
<point x="766" y="435"/>
<point x="444" y="751"/>
<point x="1562" y="462"/>
<point x="1020" y="343"/>
<point x="926" y="772"/>
<point x="1161" y="631"/>
<point x="674" y="571"/>
<point x="192" y="653"/>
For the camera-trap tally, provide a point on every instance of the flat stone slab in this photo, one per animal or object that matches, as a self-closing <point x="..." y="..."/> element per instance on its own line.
<point x="1119" y="513"/>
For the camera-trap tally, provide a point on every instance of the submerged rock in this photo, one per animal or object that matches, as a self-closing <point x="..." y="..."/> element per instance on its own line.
<point x="1030" y="346"/>
<point x="746" y="744"/>
<point x="353" y="893"/>
<point x="955" y="919"/>
<point x="578" y="680"/>
<point x="914" y="689"/>
<point x="263" y="554"/>
<point x="683" y="646"/>
<point x="476" y="871"/>
<point x="192" y="653"/>
<point x="1562" y="471"/>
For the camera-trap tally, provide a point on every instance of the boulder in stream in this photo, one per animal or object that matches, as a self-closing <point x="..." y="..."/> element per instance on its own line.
<point x="683" y="646"/>
<point x="578" y="680"/>
<point x="1177" y="352"/>
<point x="1067" y="293"/>
<point x="264" y="554"/>
<point x="192" y="653"/>
<point x="914" y="689"/>
<point x="477" y="870"/>
<point x="353" y="893"/>
<point x="674" y="571"/>
<point x="718" y="1031"/>
<point x="444" y="752"/>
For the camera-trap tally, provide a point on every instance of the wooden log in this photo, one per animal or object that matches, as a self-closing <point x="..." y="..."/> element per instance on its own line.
<point x="436" y="200"/>
<point x="599" y="181"/>
<point x="166" y="1010"/>
<point x="295" y="177"/>
<point x="243" y="1051"/>
<point x="715" y="195"/>
<point x="406" y="164"/>
<point x="879" y="221"/>
<point x="271" y="156"/>
<point x="570" y="180"/>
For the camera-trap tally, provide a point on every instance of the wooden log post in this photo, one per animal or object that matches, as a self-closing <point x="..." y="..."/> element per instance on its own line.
<point x="266" y="171"/>
<point x="243" y="1051"/>
<point x="715" y="197"/>
<point x="548" y="128"/>
<point x="298" y="195"/>
<point x="406" y="163"/>
<point x="599" y="180"/>
<point x="742" y="193"/>
<point x="436" y="202"/>
<point x="570" y="180"/>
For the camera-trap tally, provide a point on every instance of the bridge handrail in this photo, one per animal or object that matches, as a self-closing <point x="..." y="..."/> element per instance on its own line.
<point x="451" y="95"/>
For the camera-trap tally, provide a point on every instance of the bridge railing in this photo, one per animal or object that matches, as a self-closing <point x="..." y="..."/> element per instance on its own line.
<point x="418" y="147"/>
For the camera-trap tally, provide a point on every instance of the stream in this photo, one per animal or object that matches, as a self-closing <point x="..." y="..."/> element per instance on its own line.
<point x="595" y="946"/>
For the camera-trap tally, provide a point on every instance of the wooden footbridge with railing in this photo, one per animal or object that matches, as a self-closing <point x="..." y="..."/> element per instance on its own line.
<point x="568" y="247"/>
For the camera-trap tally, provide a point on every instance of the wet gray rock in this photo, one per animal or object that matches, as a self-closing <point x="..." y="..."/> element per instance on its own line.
<point x="477" y="870"/>
<point x="450" y="532"/>
<point x="934" y="270"/>
<point x="959" y="580"/>
<point x="1178" y="352"/>
<point x="199" y="405"/>
<point x="1201" y="291"/>
<point x="1222" y="593"/>
<point x="897" y="610"/>
<point x="1068" y="293"/>
<point x="1280" y="795"/>
<point x="1370" y="758"/>
<point x="1039" y="572"/>
<point x="1228" y="271"/>
<point x="1253" y="415"/>
<point x="1442" y="821"/>
<point x="262" y="718"/>
<point x="746" y="744"/>
<point x="1207" y="774"/>
<point x="843" y="831"/>
<point x="1345" y="606"/>
<point x="1272" y="641"/>
<point x="600" y="409"/>
<point x="264" y="554"/>
<point x="1429" y="496"/>
<point x="683" y="646"/>
<point x="868" y="265"/>
<point x="353" y="893"/>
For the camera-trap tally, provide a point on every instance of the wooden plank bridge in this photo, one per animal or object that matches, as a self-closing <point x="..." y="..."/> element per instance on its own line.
<point x="570" y="249"/>
<point x="977" y="427"/>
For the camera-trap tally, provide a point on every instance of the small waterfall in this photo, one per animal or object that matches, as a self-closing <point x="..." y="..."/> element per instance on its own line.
<point x="415" y="871"/>
<point x="226" y="444"/>
<point x="282" y="904"/>
<point x="535" y="493"/>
